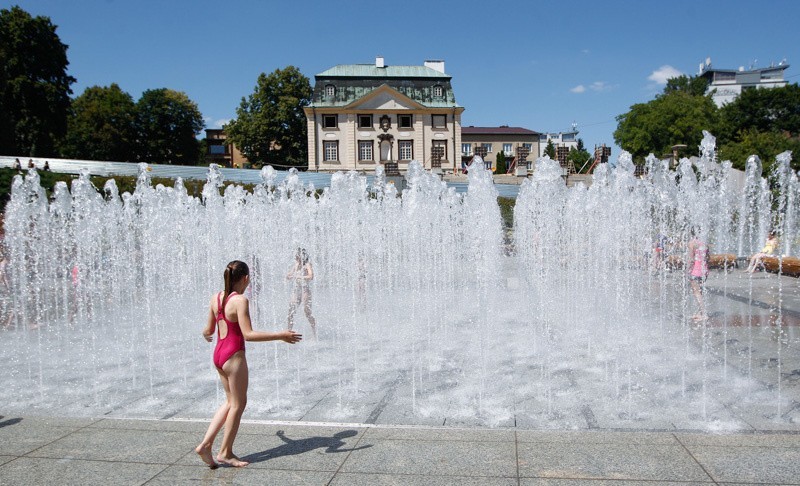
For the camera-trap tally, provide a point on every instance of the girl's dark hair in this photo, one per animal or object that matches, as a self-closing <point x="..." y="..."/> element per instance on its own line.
<point x="302" y="255"/>
<point x="234" y="272"/>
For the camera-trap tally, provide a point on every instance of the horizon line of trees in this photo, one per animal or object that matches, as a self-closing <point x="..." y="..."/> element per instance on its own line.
<point x="40" y="119"/>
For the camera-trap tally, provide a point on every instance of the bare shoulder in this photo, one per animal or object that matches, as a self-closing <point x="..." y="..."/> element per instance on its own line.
<point x="240" y="300"/>
<point x="213" y="301"/>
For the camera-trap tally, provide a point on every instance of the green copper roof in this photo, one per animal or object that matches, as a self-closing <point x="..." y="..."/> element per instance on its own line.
<point x="370" y="71"/>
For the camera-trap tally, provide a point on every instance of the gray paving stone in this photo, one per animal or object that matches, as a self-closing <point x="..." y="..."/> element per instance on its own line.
<point x="596" y="437"/>
<point x="198" y="427"/>
<point x="447" y="458"/>
<point x="231" y="475"/>
<point x="158" y="447"/>
<point x="415" y="480"/>
<point x="439" y="433"/>
<point x="26" y="436"/>
<point x="5" y="459"/>
<point x="769" y="465"/>
<point x="64" y="471"/>
<point x="609" y="482"/>
<point x="608" y="461"/>
<point x="740" y="440"/>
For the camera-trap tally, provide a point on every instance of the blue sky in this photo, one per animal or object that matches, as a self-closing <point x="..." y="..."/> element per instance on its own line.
<point x="541" y="65"/>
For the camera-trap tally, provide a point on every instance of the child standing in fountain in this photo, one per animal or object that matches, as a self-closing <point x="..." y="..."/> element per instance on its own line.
<point x="698" y="272"/>
<point x="229" y="313"/>
<point x="301" y="273"/>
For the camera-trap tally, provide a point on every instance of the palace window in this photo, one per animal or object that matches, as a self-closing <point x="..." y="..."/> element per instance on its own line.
<point x="404" y="121"/>
<point x="364" y="121"/>
<point x="330" y="121"/>
<point x="365" y="150"/>
<point x="439" y="121"/>
<point x="437" y="91"/>
<point x="466" y="149"/>
<point x="331" y="151"/>
<point x="406" y="149"/>
<point x="330" y="90"/>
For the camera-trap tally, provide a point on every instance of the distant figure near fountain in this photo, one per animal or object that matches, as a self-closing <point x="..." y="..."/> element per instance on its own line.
<point x="770" y="246"/>
<point x="698" y="272"/>
<point x="301" y="274"/>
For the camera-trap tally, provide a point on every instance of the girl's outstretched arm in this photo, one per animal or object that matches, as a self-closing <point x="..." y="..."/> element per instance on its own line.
<point x="243" y="314"/>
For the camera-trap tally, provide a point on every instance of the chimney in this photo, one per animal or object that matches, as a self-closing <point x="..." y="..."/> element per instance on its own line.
<point x="379" y="62"/>
<point x="436" y="65"/>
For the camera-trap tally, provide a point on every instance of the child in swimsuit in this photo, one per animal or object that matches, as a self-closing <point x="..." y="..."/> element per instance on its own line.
<point x="229" y="313"/>
<point x="698" y="272"/>
<point x="301" y="273"/>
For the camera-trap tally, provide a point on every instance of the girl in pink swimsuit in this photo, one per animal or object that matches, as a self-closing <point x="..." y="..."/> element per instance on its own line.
<point x="698" y="271"/>
<point x="229" y="313"/>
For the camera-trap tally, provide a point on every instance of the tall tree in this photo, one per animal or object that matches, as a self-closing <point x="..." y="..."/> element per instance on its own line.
<point x="550" y="150"/>
<point x="500" y="163"/>
<point x="691" y="85"/>
<point x="765" y="144"/>
<point x="34" y="85"/>
<point x="765" y="110"/>
<point x="270" y="125"/>
<point x="167" y="124"/>
<point x="102" y="125"/>
<point x="670" y="119"/>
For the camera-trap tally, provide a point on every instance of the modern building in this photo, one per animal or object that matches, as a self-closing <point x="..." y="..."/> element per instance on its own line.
<point x="728" y="84"/>
<point x="494" y="140"/>
<point x="220" y="151"/>
<point x="567" y="140"/>
<point x="363" y="115"/>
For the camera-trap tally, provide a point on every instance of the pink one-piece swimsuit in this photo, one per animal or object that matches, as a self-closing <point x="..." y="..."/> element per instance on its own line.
<point x="233" y="342"/>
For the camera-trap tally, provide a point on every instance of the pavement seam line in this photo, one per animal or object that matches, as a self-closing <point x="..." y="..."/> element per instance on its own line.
<point x="695" y="459"/>
<point x="516" y="455"/>
<point x="62" y="437"/>
<point x="346" y="457"/>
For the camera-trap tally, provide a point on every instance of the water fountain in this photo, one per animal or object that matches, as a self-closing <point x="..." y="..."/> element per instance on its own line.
<point x="422" y="318"/>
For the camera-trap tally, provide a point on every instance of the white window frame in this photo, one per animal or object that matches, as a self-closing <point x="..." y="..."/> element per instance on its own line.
<point x="438" y="91"/>
<point x="439" y="117"/>
<point x="366" y="150"/>
<point x="330" y="90"/>
<point x="468" y="147"/>
<point x="330" y="151"/>
<point x="369" y="126"/>
<point x="488" y="147"/>
<point x="508" y="148"/>
<point x="406" y="146"/>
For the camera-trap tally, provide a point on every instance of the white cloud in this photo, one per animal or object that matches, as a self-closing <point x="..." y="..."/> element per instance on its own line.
<point x="585" y="51"/>
<point x="578" y="89"/>
<point x="223" y="121"/>
<point x="600" y="86"/>
<point x="662" y="74"/>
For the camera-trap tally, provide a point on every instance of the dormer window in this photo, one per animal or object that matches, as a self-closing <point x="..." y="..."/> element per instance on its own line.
<point x="437" y="91"/>
<point x="330" y="90"/>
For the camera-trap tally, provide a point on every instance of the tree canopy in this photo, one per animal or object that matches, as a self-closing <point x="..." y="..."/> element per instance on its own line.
<point x="167" y="123"/>
<point x="270" y="125"/>
<point x="34" y="84"/>
<point x="102" y="125"/>
<point x="550" y="150"/>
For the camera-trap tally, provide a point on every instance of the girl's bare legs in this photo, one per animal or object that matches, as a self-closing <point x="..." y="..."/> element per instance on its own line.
<point x="236" y="371"/>
<point x="204" y="449"/>
<point x="307" y="309"/>
<point x="293" y="307"/>
<point x="697" y="290"/>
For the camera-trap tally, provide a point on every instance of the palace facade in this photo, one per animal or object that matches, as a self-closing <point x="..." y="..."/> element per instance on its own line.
<point x="365" y="115"/>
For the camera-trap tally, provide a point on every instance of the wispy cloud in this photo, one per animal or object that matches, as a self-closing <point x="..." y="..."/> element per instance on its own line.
<point x="223" y="121"/>
<point x="578" y="89"/>
<point x="585" y="51"/>
<point x="600" y="86"/>
<point x="662" y="74"/>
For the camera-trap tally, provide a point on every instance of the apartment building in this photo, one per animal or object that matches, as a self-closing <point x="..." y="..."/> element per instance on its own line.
<point x="728" y="84"/>
<point x="493" y="140"/>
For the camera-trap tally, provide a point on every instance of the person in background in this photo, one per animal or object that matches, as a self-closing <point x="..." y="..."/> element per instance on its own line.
<point x="46" y="166"/>
<point x="698" y="272"/>
<point x="769" y="249"/>
<point x="301" y="273"/>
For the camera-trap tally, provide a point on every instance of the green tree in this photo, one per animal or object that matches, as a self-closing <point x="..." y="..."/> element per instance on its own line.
<point x="691" y="85"/>
<point x="765" y="144"/>
<point x="578" y="156"/>
<point x="670" y="119"/>
<point x="270" y="125"/>
<point x="550" y="150"/>
<point x="500" y="163"/>
<point x="764" y="110"/>
<point x="167" y="124"/>
<point x="102" y="125"/>
<point x="34" y="85"/>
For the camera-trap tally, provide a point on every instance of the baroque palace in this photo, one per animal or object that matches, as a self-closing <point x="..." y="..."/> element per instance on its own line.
<point x="362" y="115"/>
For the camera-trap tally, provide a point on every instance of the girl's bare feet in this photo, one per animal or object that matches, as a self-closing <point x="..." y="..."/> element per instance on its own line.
<point x="205" y="454"/>
<point x="232" y="461"/>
